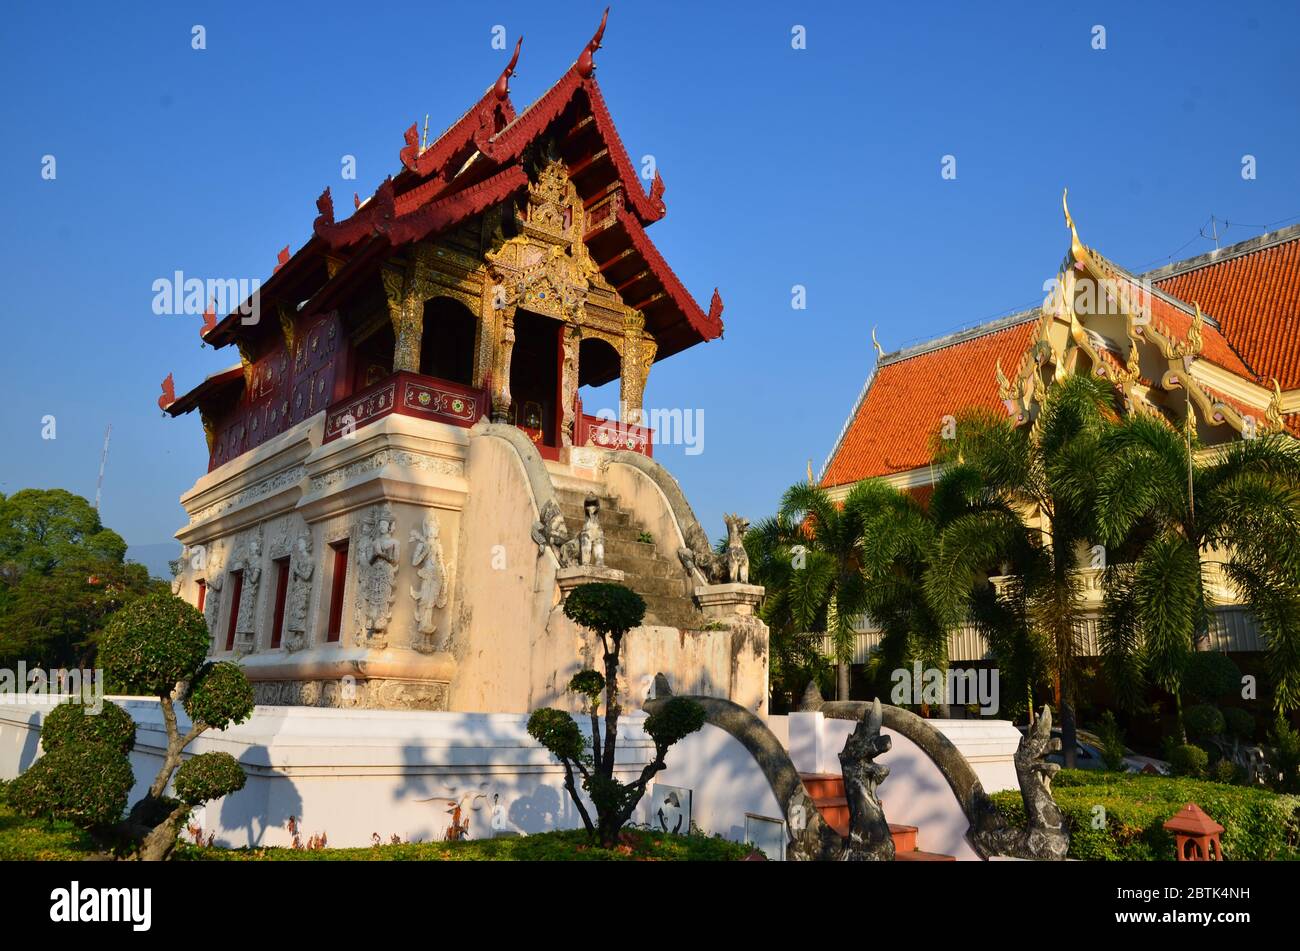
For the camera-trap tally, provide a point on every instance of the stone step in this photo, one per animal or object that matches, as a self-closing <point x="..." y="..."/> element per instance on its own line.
<point x="827" y="791"/>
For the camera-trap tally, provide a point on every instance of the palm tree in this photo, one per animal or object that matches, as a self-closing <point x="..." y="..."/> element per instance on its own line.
<point x="1169" y="518"/>
<point x="1018" y="503"/>
<point x="795" y="579"/>
<point x="826" y="563"/>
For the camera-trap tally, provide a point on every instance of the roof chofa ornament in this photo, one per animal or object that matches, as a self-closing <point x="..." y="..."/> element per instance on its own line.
<point x="502" y="87"/>
<point x="880" y="351"/>
<point x="586" y="64"/>
<point x="1076" y="246"/>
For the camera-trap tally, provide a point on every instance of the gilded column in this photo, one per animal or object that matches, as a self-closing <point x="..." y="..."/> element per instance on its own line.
<point x="631" y="382"/>
<point x="569" y="382"/>
<point x="505" y="345"/>
<point x="406" y="293"/>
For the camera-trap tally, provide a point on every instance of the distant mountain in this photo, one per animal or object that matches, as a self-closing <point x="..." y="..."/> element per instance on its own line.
<point x="155" y="557"/>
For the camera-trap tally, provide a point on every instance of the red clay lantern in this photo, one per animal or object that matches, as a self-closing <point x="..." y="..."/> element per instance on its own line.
<point x="1196" y="835"/>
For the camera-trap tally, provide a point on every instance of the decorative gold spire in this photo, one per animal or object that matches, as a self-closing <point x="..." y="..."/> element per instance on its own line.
<point x="1076" y="246"/>
<point x="1274" y="412"/>
<point x="810" y="473"/>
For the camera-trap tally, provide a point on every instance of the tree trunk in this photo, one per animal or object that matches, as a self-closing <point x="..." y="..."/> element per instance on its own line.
<point x="842" y="681"/>
<point x="1179" y="725"/>
<point x="1069" y="733"/>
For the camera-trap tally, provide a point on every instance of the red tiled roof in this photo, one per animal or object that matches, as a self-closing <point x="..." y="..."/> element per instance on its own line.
<point x="907" y="399"/>
<point x="1255" y="297"/>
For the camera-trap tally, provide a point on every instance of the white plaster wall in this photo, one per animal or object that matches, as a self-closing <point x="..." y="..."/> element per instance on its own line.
<point x="353" y="773"/>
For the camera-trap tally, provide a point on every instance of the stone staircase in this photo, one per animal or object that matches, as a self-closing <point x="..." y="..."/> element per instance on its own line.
<point x="827" y="791"/>
<point x="656" y="576"/>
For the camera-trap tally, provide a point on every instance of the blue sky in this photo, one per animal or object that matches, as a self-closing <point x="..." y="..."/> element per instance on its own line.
<point x="818" y="167"/>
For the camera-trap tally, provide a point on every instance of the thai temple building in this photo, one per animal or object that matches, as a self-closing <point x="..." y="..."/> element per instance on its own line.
<point x="402" y="483"/>
<point x="1211" y="343"/>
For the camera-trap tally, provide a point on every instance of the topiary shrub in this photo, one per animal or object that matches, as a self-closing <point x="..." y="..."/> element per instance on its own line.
<point x="610" y="611"/>
<point x="85" y="785"/>
<point x="1203" y="721"/>
<point x="1209" y="675"/>
<point x="219" y="695"/>
<point x="1188" y="760"/>
<point x="1226" y="771"/>
<point x="208" y="776"/>
<point x="153" y="643"/>
<point x="157" y="645"/>
<point x="1237" y="722"/>
<point x="605" y="608"/>
<point x="72" y="725"/>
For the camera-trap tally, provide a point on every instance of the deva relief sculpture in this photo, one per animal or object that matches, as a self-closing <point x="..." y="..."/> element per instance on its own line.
<point x="377" y="553"/>
<point x="434" y="580"/>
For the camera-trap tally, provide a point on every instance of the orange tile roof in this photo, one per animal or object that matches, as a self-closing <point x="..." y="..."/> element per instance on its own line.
<point x="904" y="404"/>
<point x="1253" y="291"/>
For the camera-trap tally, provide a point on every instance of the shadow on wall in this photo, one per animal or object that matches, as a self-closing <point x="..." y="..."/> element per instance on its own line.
<point x="31" y="742"/>
<point x="265" y="803"/>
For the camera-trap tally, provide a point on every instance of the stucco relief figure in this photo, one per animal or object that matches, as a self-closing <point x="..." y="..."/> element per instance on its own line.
<point x="377" y="556"/>
<point x="214" y="582"/>
<point x="550" y="531"/>
<point x="301" y="567"/>
<point x="250" y="563"/>
<point x="431" y="568"/>
<point x="591" y="540"/>
<point x="737" y="557"/>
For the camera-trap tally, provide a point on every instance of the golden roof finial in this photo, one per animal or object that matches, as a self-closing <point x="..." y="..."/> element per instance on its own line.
<point x="1274" y="412"/>
<point x="880" y="351"/>
<point x="810" y="475"/>
<point x="1076" y="246"/>
<point x="1195" y="340"/>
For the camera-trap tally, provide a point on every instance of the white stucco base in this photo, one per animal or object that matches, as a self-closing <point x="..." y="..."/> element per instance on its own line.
<point x="352" y="774"/>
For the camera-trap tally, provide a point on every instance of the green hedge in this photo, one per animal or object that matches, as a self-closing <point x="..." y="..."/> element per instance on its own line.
<point x="1258" y="824"/>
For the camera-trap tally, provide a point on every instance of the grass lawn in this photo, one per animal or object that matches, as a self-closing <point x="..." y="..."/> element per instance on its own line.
<point x="1121" y="816"/>
<point x="31" y="840"/>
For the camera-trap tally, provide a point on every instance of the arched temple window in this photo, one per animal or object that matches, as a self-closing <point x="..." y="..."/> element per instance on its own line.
<point x="447" y="342"/>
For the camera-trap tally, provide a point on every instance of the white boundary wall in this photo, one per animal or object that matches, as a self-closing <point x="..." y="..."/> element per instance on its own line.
<point x="354" y="773"/>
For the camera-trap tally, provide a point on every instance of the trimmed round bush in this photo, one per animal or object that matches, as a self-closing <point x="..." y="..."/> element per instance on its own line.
<point x="1226" y="771"/>
<point x="219" y="696"/>
<point x="1238" y="722"/>
<point x="1203" y="721"/>
<point x="85" y="785"/>
<point x="153" y="642"/>
<point x="557" y="731"/>
<point x="1188" y="760"/>
<point x="677" y="718"/>
<point x="605" y="608"/>
<point x="72" y="725"/>
<point x="208" y="776"/>
<point x="587" y="682"/>
<point x="1209" y="675"/>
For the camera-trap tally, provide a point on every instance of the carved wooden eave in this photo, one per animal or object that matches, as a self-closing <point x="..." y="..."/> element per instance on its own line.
<point x="1178" y="361"/>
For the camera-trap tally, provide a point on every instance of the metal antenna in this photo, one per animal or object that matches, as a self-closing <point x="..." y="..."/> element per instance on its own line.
<point x="103" y="461"/>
